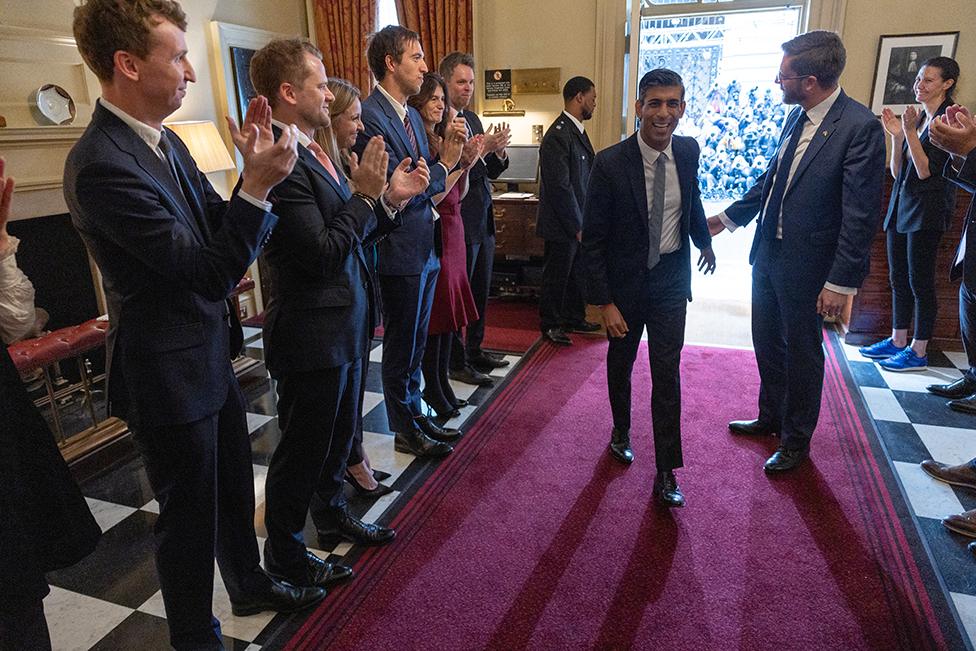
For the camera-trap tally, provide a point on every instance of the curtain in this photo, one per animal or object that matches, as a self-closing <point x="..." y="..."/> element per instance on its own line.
<point x="341" y="28"/>
<point x="444" y="26"/>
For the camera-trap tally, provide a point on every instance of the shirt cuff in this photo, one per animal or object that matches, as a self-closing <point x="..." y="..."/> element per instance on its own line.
<point x="446" y="170"/>
<point x="11" y="248"/>
<point x="850" y="291"/>
<point x="728" y="223"/>
<point x="390" y="210"/>
<point x="263" y="205"/>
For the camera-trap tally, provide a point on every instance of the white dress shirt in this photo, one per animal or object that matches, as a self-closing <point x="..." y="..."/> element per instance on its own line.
<point x="572" y="118"/>
<point x="151" y="136"/>
<point x="671" y="225"/>
<point x="815" y="117"/>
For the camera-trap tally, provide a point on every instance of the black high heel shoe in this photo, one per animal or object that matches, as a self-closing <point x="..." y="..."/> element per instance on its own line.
<point x="379" y="491"/>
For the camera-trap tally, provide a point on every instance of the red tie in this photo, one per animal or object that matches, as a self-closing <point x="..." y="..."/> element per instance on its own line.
<point x="323" y="158"/>
<point x="410" y="135"/>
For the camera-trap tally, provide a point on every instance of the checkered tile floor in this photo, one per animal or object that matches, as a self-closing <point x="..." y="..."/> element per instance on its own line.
<point x="915" y="425"/>
<point x="111" y="600"/>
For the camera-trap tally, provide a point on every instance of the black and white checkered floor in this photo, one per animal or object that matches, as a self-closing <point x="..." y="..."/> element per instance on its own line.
<point x="915" y="425"/>
<point x="111" y="600"/>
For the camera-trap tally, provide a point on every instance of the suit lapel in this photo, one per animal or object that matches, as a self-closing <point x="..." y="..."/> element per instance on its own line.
<point x="395" y="123"/>
<point x="635" y="172"/>
<point x="823" y="132"/>
<point x="185" y="165"/>
<point x="685" y="177"/>
<point x="155" y="168"/>
<point x="340" y="187"/>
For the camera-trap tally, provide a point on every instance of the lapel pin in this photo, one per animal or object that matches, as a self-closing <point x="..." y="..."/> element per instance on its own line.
<point x="825" y="133"/>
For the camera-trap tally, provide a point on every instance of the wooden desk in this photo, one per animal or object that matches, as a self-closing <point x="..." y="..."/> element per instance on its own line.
<point x="518" y="250"/>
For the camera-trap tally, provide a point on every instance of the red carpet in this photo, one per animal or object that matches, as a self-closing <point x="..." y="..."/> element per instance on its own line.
<point x="529" y="536"/>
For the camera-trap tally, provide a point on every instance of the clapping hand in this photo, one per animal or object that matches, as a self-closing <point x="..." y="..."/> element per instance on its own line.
<point x="706" y="261"/>
<point x="891" y="123"/>
<point x="498" y="138"/>
<point x="472" y="150"/>
<point x="6" y="198"/>
<point x="266" y="162"/>
<point x="909" y="119"/>
<point x="455" y="135"/>
<point x="955" y="132"/>
<point x="368" y="173"/>
<point x="406" y="184"/>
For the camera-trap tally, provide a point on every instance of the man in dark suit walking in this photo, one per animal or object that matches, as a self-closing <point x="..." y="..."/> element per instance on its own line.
<point x="170" y="252"/>
<point x="955" y="133"/>
<point x="407" y="262"/>
<point x="320" y="313"/>
<point x="469" y="363"/>
<point x="819" y="202"/>
<point x="642" y="207"/>
<point x="565" y="158"/>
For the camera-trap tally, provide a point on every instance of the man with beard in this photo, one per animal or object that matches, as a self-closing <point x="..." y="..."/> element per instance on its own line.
<point x="320" y="312"/>
<point x="407" y="262"/>
<point x="819" y="204"/>
<point x="565" y="158"/>
<point x="469" y="363"/>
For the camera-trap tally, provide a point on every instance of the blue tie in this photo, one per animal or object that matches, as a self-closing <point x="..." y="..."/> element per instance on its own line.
<point x="774" y="206"/>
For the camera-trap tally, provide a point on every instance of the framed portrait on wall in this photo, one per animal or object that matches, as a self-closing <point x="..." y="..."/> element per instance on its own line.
<point x="243" y="89"/>
<point x="899" y="58"/>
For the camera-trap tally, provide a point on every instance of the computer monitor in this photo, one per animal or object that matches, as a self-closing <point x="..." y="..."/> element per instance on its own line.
<point x="523" y="166"/>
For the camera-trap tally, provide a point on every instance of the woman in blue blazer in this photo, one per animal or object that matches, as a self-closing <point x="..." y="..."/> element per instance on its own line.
<point x="921" y="204"/>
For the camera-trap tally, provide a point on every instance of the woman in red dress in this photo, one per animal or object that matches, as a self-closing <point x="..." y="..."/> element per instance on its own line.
<point x="453" y="306"/>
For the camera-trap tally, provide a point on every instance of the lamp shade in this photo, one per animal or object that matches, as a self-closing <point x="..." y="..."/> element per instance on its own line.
<point x="205" y="144"/>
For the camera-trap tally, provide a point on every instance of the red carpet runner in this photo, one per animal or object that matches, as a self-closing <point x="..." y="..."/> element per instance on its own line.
<point x="529" y="536"/>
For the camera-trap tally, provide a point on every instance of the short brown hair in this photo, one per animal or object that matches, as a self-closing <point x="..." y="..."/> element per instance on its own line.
<point x="452" y="61"/>
<point x="282" y="60"/>
<point x="818" y="53"/>
<point x="391" y="40"/>
<point x="103" y="27"/>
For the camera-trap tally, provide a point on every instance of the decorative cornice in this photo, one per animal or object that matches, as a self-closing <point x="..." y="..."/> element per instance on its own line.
<point x="21" y="137"/>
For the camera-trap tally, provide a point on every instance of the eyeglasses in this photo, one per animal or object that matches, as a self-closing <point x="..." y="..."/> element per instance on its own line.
<point x="779" y="77"/>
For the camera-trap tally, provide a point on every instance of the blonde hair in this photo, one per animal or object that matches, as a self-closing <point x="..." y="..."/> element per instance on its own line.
<point x="345" y="94"/>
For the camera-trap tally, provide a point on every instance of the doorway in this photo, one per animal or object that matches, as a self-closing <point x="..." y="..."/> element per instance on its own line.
<point x="728" y="59"/>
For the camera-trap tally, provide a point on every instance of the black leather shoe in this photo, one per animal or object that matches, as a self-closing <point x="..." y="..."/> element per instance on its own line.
<point x="498" y="357"/>
<point x="750" y="428"/>
<point x="961" y="388"/>
<point x="319" y="574"/>
<point x="583" y="326"/>
<point x="666" y="491"/>
<point x="278" y="596"/>
<point x="784" y="459"/>
<point x="460" y="402"/>
<point x="965" y="405"/>
<point x="435" y="431"/>
<point x="558" y="337"/>
<point x="470" y="376"/>
<point x="379" y="491"/>
<point x="620" y="446"/>
<point x="485" y="363"/>
<point x="420" y="445"/>
<point x="356" y="531"/>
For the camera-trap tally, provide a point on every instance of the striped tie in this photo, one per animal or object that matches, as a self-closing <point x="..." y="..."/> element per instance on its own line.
<point x="410" y="135"/>
<point x="655" y="217"/>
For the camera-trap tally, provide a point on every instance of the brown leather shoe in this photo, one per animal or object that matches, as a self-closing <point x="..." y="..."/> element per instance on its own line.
<point x="962" y="475"/>
<point x="962" y="523"/>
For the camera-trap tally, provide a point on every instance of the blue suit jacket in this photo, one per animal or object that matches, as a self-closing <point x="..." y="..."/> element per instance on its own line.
<point x="322" y="306"/>
<point x="615" y="232"/>
<point x="832" y="207"/>
<point x="405" y="251"/>
<point x="168" y="264"/>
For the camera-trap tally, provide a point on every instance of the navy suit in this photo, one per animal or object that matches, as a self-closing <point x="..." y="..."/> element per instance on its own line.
<point x="965" y="268"/>
<point x="320" y="318"/>
<point x="615" y="250"/>
<point x="407" y="264"/>
<point x="565" y="158"/>
<point x="170" y="253"/>
<point x="829" y="216"/>
<point x="478" y="216"/>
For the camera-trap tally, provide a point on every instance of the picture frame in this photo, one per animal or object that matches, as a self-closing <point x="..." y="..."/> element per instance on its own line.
<point x="243" y="89"/>
<point x="899" y="57"/>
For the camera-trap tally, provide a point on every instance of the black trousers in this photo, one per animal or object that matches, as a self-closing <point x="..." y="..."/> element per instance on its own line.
<point x="202" y="477"/>
<point x="481" y="261"/>
<point x="661" y="308"/>
<point x="437" y="361"/>
<point x="356" y="453"/>
<point x="967" y="323"/>
<point x="22" y="625"/>
<point x="317" y="413"/>
<point x="406" y="315"/>
<point x="911" y="269"/>
<point x="788" y="340"/>
<point x="561" y="300"/>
